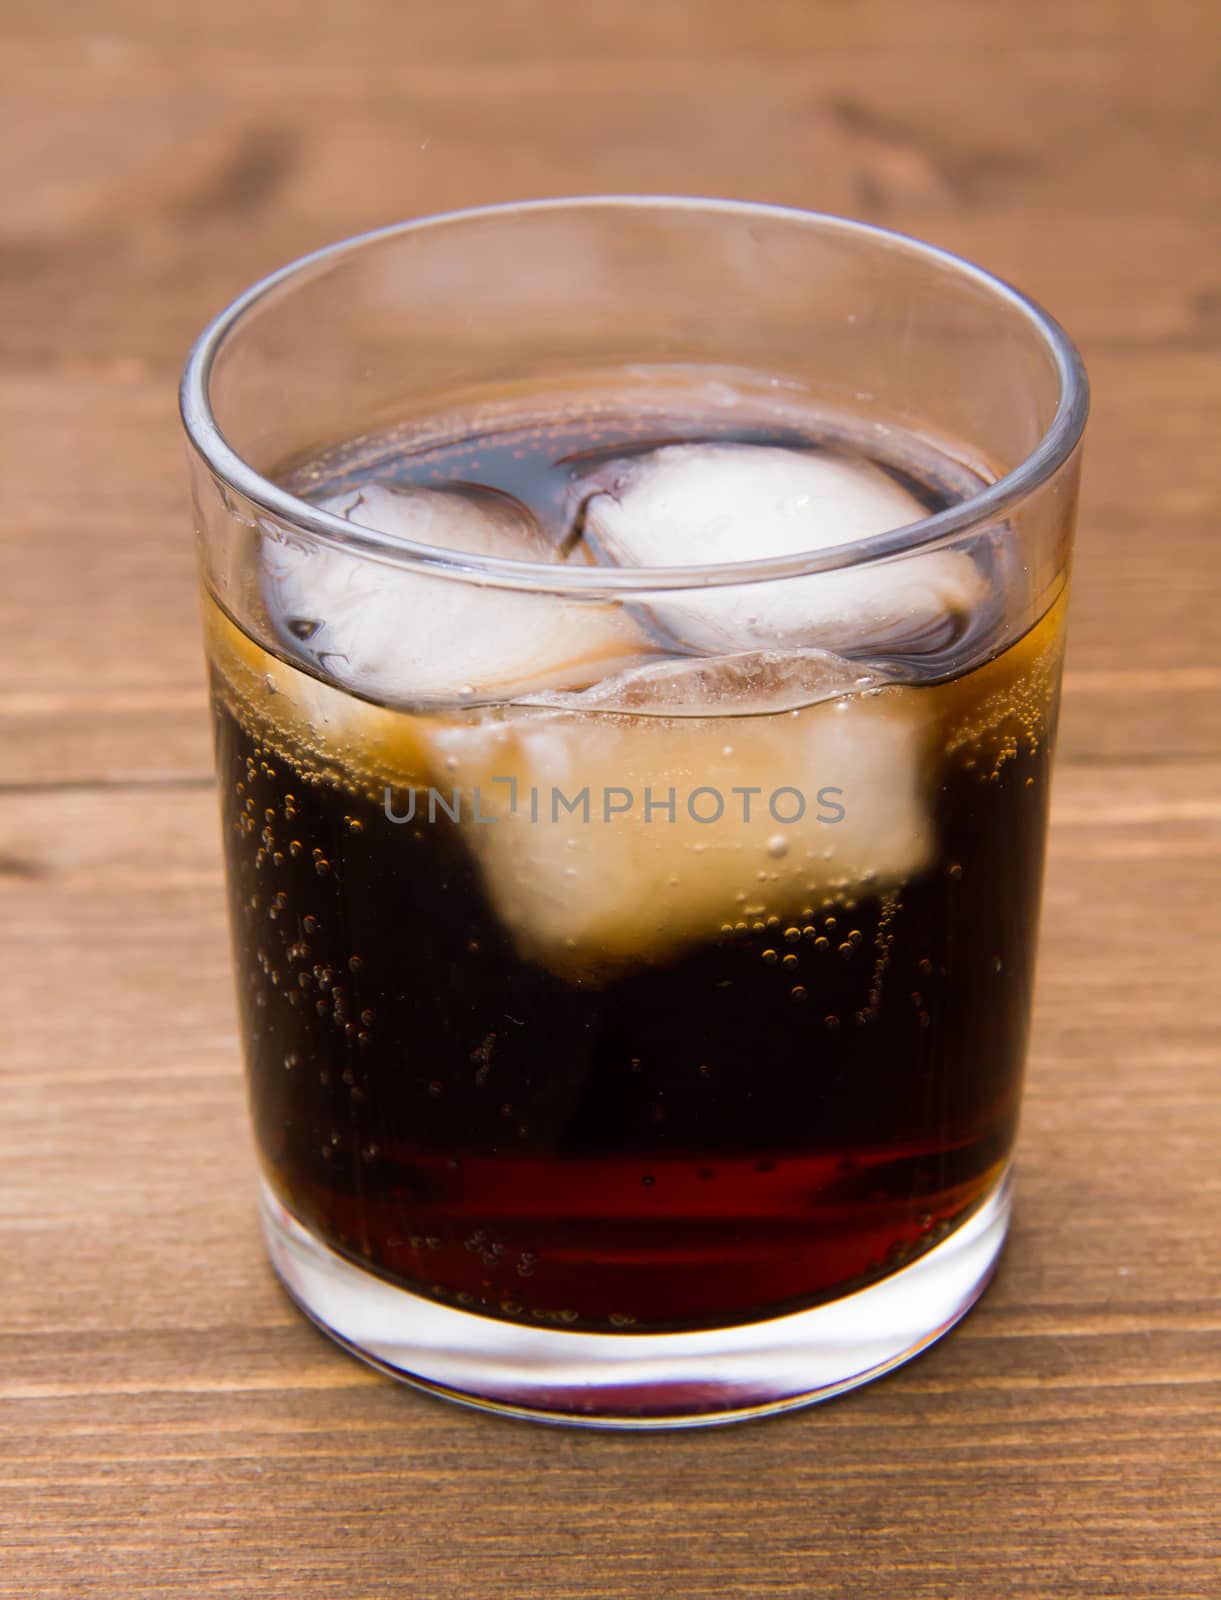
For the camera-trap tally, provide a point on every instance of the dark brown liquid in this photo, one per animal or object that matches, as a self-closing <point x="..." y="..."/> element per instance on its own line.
<point x="714" y="1135"/>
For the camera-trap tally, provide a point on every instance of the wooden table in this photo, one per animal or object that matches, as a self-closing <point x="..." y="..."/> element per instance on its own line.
<point x="168" y="1425"/>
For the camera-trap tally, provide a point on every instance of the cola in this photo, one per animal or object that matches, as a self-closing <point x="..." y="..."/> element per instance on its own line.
<point x="632" y="965"/>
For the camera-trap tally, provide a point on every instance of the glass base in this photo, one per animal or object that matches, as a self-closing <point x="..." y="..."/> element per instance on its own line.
<point x="639" y="1380"/>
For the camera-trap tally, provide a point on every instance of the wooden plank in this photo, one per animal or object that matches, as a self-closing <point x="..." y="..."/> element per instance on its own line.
<point x="104" y="672"/>
<point x="173" y="141"/>
<point x="115" y="902"/>
<point x="163" y="1413"/>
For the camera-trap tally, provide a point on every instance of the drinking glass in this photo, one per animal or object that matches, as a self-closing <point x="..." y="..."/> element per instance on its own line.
<point x="582" y="1090"/>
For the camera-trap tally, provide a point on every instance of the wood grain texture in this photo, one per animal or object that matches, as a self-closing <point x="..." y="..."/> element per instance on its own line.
<point x="168" y="1425"/>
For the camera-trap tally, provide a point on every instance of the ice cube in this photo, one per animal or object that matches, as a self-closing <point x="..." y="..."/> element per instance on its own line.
<point x="607" y="839"/>
<point x="689" y="504"/>
<point x="406" y="637"/>
<point x="753" y="683"/>
<point x="322" y="729"/>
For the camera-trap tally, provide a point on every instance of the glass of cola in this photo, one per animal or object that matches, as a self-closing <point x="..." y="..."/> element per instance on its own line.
<point x="635" y="631"/>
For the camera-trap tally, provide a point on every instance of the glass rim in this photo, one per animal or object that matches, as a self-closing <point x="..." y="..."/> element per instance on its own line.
<point x="604" y="582"/>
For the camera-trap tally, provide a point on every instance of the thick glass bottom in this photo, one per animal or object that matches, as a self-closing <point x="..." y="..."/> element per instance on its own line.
<point x="640" y="1380"/>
